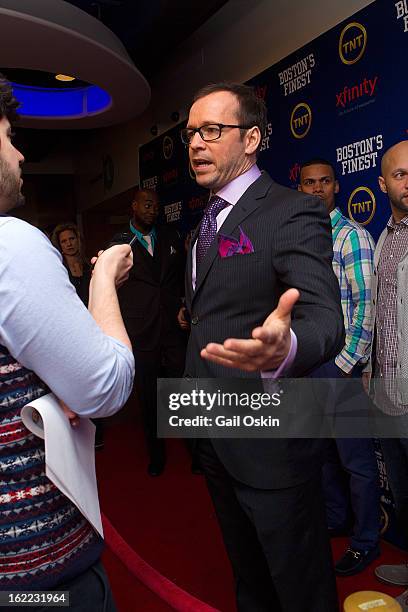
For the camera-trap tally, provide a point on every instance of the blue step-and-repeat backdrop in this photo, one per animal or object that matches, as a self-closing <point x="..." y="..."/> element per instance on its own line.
<point x="343" y="97"/>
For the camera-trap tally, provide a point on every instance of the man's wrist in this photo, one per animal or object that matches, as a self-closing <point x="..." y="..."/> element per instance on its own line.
<point x="345" y="362"/>
<point x="287" y="363"/>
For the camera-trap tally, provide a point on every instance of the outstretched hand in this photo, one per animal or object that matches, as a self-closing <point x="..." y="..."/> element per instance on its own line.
<point x="268" y="346"/>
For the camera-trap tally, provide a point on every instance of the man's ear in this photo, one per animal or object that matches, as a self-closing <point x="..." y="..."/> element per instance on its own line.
<point x="252" y="140"/>
<point x="336" y="186"/>
<point x="382" y="184"/>
<point x="299" y="187"/>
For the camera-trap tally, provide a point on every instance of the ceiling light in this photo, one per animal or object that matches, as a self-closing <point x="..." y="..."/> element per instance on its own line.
<point x="108" y="88"/>
<point x="64" y="77"/>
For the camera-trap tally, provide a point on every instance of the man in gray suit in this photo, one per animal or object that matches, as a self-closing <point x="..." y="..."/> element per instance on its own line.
<point x="267" y="493"/>
<point x="389" y="362"/>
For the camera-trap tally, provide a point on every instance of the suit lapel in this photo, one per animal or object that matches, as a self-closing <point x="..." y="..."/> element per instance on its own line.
<point x="250" y="201"/>
<point x="189" y="266"/>
<point x="160" y="252"/>
<point x="164" y="244"/>
<point x="189" y="272"/>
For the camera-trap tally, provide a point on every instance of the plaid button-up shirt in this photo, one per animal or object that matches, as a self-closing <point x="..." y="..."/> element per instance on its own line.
<point x="353" y="255"/>
<point x="394" y="248"/>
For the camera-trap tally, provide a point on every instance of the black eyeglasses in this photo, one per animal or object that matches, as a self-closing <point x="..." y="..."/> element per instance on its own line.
<point x="208" y="132"/>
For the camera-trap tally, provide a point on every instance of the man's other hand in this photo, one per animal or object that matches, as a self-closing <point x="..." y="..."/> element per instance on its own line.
<point x="365" y="379"/>
<point x="182" y="321"/>
<point x="268" y="347"/>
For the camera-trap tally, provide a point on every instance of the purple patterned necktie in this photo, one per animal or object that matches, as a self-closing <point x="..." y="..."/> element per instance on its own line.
<point x="208" y="227"/>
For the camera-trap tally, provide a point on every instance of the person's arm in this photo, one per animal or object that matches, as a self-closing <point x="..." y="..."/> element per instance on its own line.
<point x="303" y="259"/>
<point x="111" y="269"/>
<point x="48" y="330"/>
<point x="357" y="254"/>
<point x="366" y="377"/>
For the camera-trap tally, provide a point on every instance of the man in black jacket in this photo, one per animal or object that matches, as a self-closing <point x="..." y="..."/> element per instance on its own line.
<point x="150" y="301"/>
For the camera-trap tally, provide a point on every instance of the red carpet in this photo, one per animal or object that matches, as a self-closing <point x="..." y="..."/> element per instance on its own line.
<point x="169" y="521"/>
<point x="167" y="591"/>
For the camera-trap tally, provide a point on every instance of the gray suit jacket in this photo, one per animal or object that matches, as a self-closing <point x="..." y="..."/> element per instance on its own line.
<point x="402" y="319"/>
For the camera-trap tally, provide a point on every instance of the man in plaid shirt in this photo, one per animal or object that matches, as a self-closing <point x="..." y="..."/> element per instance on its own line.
<point x="390" y="355"/>
<point x="353" y="250"/>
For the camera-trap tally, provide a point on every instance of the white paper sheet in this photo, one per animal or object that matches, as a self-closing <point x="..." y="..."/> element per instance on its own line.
<point x="69" y="454"/>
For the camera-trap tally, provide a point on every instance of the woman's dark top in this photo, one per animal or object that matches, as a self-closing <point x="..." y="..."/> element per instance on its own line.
<point x="81" y="283"/>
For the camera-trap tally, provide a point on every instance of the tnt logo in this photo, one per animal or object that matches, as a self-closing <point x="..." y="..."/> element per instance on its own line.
<point x="361" y="205"/>
<point x="352" y="43"/>
<point x="301" y="120"/>
<point x="167" y="147"/>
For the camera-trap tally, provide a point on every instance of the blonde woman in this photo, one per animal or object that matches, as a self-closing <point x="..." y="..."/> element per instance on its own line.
<point x="67" y="239"/>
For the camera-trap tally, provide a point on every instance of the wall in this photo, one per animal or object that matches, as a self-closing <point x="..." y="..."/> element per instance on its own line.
<point x="50" y="200"/>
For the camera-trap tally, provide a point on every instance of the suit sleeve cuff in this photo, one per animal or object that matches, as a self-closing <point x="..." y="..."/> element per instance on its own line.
<point x="286" y="363"/>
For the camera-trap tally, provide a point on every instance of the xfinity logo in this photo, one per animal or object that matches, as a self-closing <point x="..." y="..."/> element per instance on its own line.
<point x="349" y="94"/>
<point x="294" y="173"/>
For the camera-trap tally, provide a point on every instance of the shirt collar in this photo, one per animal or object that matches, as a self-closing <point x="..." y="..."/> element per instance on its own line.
<point x="392" y="224"/>
<point x="139" y="234"/>
<point x="335" y="216"/>
<point x="236" y="188"/>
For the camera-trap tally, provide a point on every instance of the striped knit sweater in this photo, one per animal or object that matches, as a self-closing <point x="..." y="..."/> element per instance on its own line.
<point x="44" y="539"/>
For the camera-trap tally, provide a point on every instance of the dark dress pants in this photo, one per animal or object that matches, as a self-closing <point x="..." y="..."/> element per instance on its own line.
<point x="276" y="540"/>
<point x="350" y="473"/>
<point x="351" y="481"/>
<point x="165" y="360"/>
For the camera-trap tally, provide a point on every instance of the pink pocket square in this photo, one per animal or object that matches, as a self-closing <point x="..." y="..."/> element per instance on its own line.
<point x="229" y="246"/>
